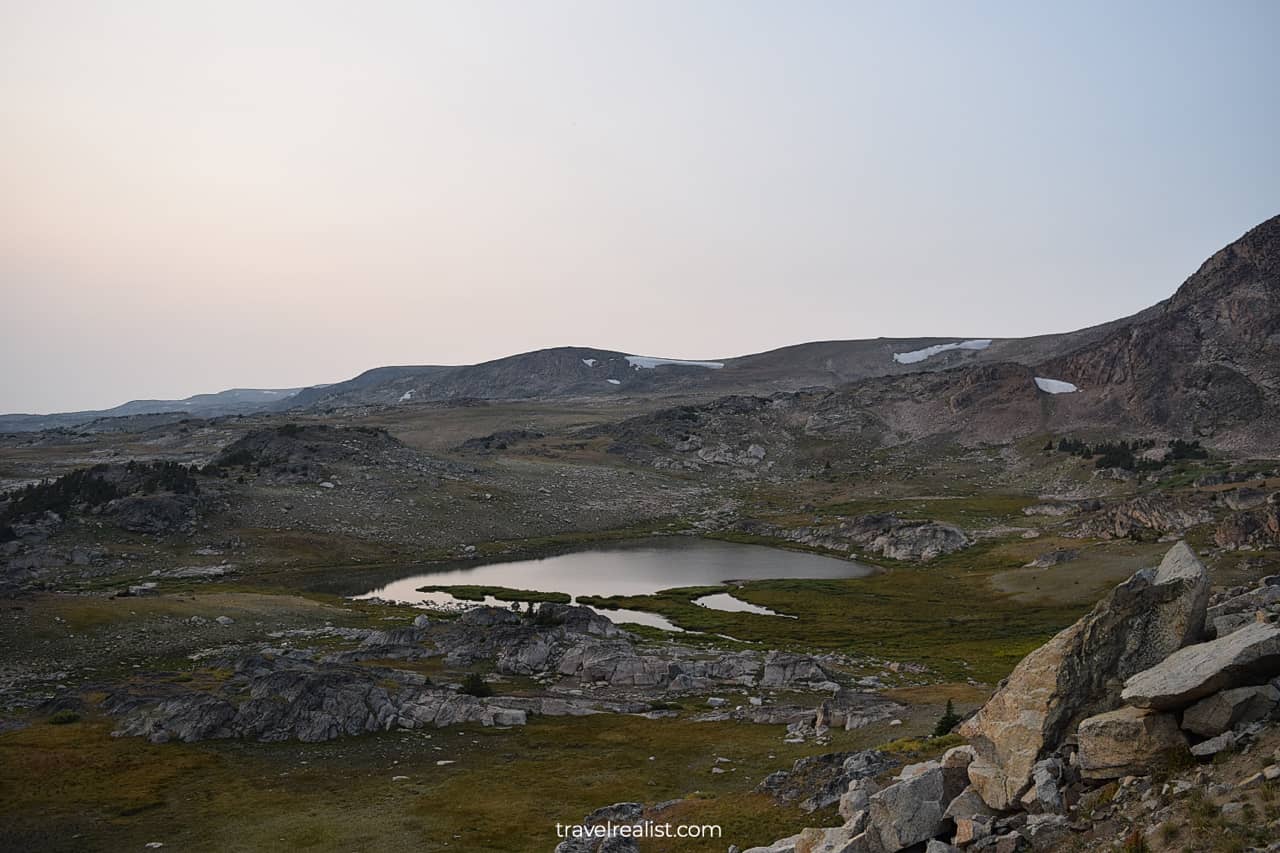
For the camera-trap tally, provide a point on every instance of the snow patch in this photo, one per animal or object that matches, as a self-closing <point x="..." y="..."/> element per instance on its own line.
<point x="921" y="354"/>
<point x="1054" y="386"/>
<point x="649" y="362"/>
<point x="614" y="381"/>
<point x="589" y="362"/>
<point x="407" y="395"/>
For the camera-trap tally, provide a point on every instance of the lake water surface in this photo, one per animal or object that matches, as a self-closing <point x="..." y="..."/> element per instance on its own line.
<point x="642" y="567"/>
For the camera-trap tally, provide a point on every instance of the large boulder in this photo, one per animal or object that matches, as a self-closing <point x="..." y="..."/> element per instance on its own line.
<point x="913" y="810"/>
<point x="1127" y="742"/>
<point x="1248" y="656"/>
<point x="1081" y="671"/>
<point x="968" y="805"/>
<point x="1216" y="714"/>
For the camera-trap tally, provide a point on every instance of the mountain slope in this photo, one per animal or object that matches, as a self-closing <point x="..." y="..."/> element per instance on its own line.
<point x="1203" y="362"/>
<point x="590" y="372"/>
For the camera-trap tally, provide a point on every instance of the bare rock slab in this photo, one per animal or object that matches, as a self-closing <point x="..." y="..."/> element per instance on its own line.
<point x="1249" y="655"/>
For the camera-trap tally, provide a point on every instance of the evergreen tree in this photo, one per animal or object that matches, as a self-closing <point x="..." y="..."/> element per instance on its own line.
<point x="948" y="721"/>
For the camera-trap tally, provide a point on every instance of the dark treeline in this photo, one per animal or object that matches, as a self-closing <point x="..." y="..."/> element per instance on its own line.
<point x="1127" y="454"/>
<point x="86" y="488"/>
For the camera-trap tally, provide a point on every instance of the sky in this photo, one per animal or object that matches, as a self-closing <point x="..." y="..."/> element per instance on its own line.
<point x="203" y="195"/>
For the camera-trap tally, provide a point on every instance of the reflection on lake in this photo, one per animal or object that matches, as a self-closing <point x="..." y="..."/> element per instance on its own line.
<point x="637" y="568"/>
<point x="725" y="601"/>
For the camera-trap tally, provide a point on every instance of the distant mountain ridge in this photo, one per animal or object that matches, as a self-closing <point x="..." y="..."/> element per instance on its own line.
<point x="234" y="401"/>
<point x="589" y="372"/>
<point x="1205" y="360"/>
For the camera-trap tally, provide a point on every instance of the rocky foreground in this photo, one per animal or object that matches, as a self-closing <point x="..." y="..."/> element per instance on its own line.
<point x="578" y="662"/>
<point x="1156" y="706"/>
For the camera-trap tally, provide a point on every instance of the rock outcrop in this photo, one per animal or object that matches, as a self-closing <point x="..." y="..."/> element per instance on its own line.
<point x="154" y="514"/>
<point x="1253" y="528"/>
<point x="291" y="699"/>
<point x="822" y="780"/>
<point x="782" y="669"/>
<point x="1080" y="671"/>
<point x="1160" y="515"/>
<point x="1247" y="656"/>
<point x="877" y="533"/>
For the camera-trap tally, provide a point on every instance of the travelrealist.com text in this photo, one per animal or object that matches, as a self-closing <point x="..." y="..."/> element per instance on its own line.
<point x="637" y="830"/>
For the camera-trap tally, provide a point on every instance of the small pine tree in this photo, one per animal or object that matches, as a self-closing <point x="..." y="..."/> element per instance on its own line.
<point x="475" y="685"/>
<point x="948" y="721"/>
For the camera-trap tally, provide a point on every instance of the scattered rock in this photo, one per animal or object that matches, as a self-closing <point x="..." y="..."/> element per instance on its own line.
<point x="1057" y="557"/>
<point x="1214" y="745"/>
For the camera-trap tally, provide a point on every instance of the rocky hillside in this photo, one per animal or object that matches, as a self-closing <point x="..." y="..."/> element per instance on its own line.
<point x="1206" y="361"/>
<point x="586" y="372"/>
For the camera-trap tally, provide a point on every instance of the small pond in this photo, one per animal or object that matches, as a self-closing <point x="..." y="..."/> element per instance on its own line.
<point x="641" y="567"/>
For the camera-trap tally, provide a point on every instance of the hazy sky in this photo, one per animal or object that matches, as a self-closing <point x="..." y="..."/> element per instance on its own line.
<point x="200" y="195"/>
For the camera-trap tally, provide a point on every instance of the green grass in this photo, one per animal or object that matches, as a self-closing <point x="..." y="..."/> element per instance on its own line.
<point x="506" y="791"/>
<point x="945" y="615"/>
<point x="921" y="748"/>
<point x="477" y="592"/>
<point x="966" y="511"/>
